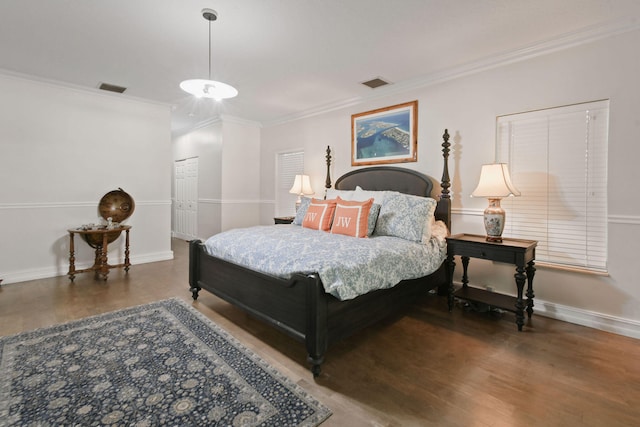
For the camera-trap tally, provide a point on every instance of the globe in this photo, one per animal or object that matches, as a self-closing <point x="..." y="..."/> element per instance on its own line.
<point x="117" y="205"/>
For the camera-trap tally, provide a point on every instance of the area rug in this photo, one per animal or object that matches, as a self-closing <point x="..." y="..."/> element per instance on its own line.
<point x="162" y="363"/>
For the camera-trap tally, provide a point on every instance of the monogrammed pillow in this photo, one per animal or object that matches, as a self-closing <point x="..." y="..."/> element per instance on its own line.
<point x="319" y="214"/>
<point x="351" y="218"/>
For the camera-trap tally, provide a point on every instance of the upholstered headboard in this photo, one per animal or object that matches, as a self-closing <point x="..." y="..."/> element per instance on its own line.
<point x="383" y="178"/>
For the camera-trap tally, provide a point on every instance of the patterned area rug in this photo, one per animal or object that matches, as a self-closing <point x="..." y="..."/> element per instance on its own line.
<point x="158" y="364"/>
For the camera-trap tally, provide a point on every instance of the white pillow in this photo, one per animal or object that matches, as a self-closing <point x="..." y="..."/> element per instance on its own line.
<point x="429" y="224"/>
<point x="378" y="197"/>
<point x="439" y="231"/>
<point x="332" y="193"/>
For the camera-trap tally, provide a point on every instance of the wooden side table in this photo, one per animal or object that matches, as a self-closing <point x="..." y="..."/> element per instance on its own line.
<point x="98" y="239"/>
<point x="283" y="219"/>
<point x="519" y="252"/>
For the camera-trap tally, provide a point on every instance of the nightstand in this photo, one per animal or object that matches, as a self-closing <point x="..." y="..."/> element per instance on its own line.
<point x="283" y="219"/>
<point x="519" y="252"/>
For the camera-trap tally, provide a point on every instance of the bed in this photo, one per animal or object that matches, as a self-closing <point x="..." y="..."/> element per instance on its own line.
<point x="299" y="305"/>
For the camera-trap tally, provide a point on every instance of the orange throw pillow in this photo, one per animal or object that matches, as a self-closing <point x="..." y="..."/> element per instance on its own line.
<point x="319" y="214"/>
<point x="351" y="218"/>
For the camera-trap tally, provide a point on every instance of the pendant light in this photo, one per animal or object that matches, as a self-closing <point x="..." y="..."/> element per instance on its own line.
<point x="202" y="88"/>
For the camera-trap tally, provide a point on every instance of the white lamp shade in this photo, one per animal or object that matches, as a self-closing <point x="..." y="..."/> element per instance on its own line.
<point x="495" y="182"/>
<point x="301" y="185"/>
<point x="208" y="89"/>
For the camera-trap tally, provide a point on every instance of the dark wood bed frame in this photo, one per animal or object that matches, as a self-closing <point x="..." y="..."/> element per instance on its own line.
<point x="299" y="306"/>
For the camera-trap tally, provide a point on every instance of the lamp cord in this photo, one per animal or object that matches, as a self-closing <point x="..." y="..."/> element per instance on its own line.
<point x="209" y="49"/>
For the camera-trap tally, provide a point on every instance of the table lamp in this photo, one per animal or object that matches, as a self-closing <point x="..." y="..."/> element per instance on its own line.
<point x="301" y="187"/>
<point x="495" y="183"/>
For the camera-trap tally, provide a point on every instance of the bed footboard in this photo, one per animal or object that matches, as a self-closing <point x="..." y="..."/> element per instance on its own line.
<point x="300" y="307"/>
<point x="297" y="306"/>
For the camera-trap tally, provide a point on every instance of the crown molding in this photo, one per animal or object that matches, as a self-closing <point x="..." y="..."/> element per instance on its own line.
<point x="568" y="40"/>
<point x="77" y="88"/>
<point x="226" y="118"/>
<point x="216" y="120"/>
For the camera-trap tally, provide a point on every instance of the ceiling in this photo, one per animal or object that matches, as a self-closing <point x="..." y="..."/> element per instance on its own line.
<point x="287" y="58"/>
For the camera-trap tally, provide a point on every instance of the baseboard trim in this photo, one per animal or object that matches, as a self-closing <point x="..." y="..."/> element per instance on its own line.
<point x="617" y="325"/>
<point x="44" y="273"/>
<point x="152" y="257"/>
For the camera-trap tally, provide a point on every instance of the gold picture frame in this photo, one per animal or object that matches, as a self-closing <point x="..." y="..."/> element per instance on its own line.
<point x="386" y="135"/>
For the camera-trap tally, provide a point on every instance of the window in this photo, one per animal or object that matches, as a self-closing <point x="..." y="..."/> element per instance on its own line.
<point x="558" y="160"/>
<point x="288" y="165"/>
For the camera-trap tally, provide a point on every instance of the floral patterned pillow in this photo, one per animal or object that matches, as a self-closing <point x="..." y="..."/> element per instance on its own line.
<point x="302" y="211"/>
<point x="404" y="216"/>
<point x="372" y="219"/>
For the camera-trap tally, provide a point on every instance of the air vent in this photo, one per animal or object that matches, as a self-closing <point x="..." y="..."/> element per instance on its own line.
<point x="112" y="88"/>
<point x="374" y="83"/>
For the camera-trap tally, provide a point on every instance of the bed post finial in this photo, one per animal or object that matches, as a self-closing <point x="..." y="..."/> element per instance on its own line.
<point x="444" y="205"/>
<point x="327" y="183"/>
<point x="446" y="182"/>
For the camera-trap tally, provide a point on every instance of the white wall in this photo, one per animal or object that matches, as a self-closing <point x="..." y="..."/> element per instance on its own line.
<point x="61" y="150"/>
<point x="205" y="143"/>
<point x="468" y="106"/>
<point x="240" y="173"/>
<point x="228" y="151"/>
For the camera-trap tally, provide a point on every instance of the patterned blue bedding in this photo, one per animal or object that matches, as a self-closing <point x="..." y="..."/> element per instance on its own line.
<point x="347" y="266"/>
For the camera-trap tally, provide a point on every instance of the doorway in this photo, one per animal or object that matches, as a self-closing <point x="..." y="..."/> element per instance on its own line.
<point x="185" y="211"/>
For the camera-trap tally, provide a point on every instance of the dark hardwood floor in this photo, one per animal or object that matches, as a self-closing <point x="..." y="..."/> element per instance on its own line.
<point x="426" y="367"/>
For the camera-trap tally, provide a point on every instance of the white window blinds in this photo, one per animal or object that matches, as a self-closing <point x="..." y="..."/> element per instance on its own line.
<point x="558" y="160"/>
<point x="288" y="165"/>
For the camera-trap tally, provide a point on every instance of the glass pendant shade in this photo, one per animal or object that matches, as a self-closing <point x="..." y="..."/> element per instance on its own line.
<point x="202" y="88"/>
<point x="207" y="88"/>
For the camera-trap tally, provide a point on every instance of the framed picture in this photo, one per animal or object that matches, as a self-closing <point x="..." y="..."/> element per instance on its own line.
<point x="386" y="135"/>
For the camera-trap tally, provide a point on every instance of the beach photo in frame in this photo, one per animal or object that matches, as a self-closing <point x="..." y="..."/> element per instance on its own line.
<point x="385" y="135"/>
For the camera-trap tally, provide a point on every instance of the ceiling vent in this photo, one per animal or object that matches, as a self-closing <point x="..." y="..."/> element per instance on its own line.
<point x="375" y="83"/>
<point x="112" y="88"/>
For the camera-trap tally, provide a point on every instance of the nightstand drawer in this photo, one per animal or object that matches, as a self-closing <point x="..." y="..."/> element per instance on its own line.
<point x="493" y="254"/>
<point x="512" y="251"/>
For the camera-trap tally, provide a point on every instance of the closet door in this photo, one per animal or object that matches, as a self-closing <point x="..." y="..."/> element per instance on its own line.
<point x="185" y="214"/>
